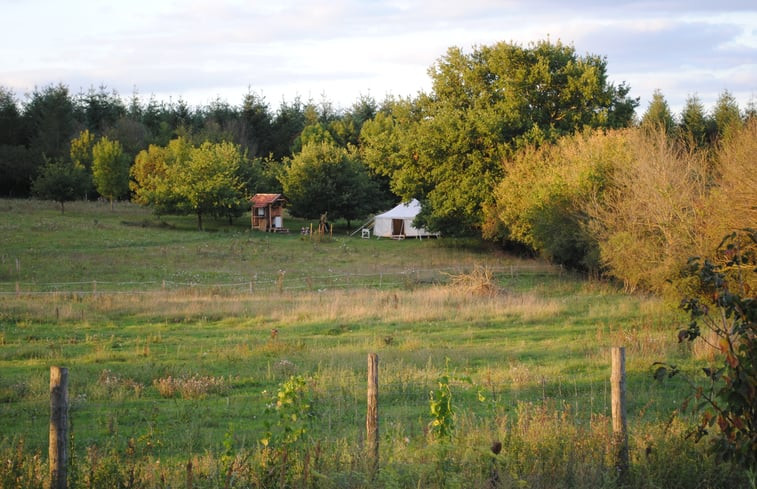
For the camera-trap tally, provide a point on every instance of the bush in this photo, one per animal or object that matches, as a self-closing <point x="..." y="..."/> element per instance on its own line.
<point x="541" y="201"/>
<point x="725" y="305"/>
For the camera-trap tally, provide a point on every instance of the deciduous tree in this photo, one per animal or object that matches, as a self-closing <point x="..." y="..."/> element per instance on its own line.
<point x="209" y="183"/>
<point x="181" y="179"/>
<point x="450" y="145"/>
<point x="61" y="181"/>
<point x="326" y="178"/>
<point x="110" y="169"/>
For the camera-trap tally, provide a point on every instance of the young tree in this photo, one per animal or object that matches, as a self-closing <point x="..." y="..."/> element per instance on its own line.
<point x="152" y="173"/>
<point x="81" y="156"/>
<point x="110" y="169"/>
<point x="658" y="114"/>
<point x="209" y="182"/>
<point x="726" y="116"/>
<point x="60" y="181"/>
<point x="694" y="123"/>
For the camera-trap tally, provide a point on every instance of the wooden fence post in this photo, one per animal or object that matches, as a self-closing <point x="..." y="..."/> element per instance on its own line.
<point x="372" y="418"/>
<point x="58" y="449"/>
<point x="618" y="401"/>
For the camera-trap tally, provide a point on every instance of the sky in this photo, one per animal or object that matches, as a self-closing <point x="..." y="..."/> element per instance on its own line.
<point x="340" y="50"/>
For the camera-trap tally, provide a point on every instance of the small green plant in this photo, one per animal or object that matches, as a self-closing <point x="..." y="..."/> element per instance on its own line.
<point x="726" y="306"/>
<point x="442" y="425"/>
<point x="292" y="408"/>
<point x="289" y="414"/>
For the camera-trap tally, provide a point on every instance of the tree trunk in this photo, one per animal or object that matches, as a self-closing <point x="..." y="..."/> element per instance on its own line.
<point x="199" y="221"/>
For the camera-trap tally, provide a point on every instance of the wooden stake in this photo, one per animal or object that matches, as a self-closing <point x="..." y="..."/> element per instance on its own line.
<point x="371" y="418"/>
<point x="618" y="402"/>
<point x="58" y="427"/>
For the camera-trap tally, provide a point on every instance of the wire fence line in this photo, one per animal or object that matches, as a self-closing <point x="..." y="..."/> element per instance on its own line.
<point x="281" y="280"/>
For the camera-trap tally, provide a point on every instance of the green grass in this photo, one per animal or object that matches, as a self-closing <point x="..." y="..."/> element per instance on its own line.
<point x="541" y="340"/>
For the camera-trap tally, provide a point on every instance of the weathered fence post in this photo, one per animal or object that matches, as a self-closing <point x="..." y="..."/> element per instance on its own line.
<point x="58" y="449"/>
<point x="371" y="418"/>
<point x="618" y="400"/>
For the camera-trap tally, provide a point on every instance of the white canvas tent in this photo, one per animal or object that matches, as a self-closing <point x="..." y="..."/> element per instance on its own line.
<point x="398" y="222"/>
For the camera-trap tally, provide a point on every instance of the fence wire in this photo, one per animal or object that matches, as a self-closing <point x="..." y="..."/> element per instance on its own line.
<point x="281" y="280"/>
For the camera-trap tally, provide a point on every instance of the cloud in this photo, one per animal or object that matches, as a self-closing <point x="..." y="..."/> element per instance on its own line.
<point x="202" y="48"/>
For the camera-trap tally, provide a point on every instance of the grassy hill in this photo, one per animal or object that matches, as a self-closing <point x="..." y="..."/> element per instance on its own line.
<point x="179" y="342"/>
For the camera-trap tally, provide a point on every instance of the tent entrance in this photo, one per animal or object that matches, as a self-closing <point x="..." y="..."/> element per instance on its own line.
<point x="398" y="227"/>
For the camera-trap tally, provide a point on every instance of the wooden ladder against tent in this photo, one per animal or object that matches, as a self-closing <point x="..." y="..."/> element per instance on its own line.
<point x="364" y="227"/>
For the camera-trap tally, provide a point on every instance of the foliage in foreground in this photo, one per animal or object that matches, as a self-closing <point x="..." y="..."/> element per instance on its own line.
<point x="537" y="446"/>
<point x="724" y="315"/>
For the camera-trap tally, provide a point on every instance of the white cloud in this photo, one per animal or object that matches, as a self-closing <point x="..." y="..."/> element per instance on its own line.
<point x="199" y="49"/>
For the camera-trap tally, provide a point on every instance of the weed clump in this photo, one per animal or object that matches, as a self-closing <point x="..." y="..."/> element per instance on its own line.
<point x="478" y="282"/>
<point x="194" y="387"/>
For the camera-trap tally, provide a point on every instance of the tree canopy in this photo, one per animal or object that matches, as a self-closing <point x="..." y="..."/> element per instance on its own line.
<point x="61" y="181"/>
<point x="326" y="178"/>
<point x="110" y="169"/>
<point x="447" y="148"/>
<point x="182" y="179"/>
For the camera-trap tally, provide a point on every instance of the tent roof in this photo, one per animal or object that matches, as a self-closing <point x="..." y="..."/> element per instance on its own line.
<point x="402" y="211"/>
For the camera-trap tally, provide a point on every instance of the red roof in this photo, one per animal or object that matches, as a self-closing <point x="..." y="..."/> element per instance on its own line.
<point x="264" y="200"/>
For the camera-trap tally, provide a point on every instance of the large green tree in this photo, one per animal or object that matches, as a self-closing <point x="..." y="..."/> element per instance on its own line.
<point x="326" y="178"/>
<point x="210" y="179"/>
<point x="110" y="169"/>
<point x="447" y="148"/>
<point x="210" y="182"/>
<point x="152" y="172"/>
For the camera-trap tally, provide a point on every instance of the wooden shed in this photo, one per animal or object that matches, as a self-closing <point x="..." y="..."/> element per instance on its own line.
<point x="268" y="212"/>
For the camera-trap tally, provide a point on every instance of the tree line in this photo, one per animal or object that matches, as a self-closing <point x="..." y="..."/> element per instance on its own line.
<point x="531" y="146"/>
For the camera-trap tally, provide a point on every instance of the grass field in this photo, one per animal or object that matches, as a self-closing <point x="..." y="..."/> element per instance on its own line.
<point x="177" y="340"/>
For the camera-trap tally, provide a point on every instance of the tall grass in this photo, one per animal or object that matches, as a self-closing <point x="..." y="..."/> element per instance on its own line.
<point x="170" y="387"/>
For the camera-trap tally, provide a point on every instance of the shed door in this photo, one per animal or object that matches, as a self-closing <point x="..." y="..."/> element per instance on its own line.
<point x="398" y="227"/>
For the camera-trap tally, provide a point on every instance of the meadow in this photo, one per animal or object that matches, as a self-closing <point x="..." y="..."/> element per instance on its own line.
<point x="180" y="342"/>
